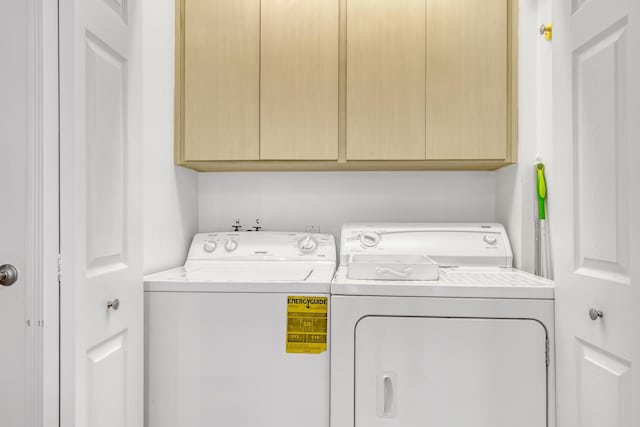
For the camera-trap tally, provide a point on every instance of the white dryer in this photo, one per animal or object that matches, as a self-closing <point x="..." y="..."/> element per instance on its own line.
<point x="471" y="347"/>
<point x="239" y="336"/>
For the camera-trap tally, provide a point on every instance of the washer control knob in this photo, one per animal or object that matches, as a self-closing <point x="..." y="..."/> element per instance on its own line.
<point x="209" y="246"/>
<point x="369" y="239"/>
<point x="490" y="239"/>
<point x="230" y="245"/>
<point x="307" y="244"/>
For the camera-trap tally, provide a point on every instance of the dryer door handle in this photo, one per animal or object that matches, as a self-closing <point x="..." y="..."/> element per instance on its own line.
<point x="387" y="395"/>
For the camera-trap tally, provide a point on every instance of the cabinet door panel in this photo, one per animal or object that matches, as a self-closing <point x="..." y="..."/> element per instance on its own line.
<point x="467" y="79"/>
<point x="221" y="71"/>
<point x="299" y="80"/>
<point x="386" y="79"/>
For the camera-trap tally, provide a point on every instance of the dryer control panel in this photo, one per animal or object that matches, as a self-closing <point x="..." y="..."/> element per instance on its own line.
<point x="449" y="244"/>
<point x="265" y="245"/>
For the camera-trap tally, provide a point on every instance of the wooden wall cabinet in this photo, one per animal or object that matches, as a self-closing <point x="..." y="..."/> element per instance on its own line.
<point x="386" y="79"/>
<point x="220" y="80"/>
<point x="467" y="90"/>
<point x="346" y="84"/>
<point x="299" y="80"/>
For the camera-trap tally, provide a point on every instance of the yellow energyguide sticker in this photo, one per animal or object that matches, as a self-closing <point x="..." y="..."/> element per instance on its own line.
<point x="307" y="324"/>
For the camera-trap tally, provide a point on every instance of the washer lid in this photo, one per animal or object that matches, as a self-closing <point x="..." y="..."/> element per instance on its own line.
<point x="247" y="272"/>
<point x="249" y="276"/>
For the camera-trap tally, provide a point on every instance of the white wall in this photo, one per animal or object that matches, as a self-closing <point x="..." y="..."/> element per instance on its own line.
<point x="515" y="185"/>
<point x="170" y="192"/>
<point x="291" y="200"/>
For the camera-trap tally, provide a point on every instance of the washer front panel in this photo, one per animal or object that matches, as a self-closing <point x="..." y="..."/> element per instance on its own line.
<point x="221" y="360"/>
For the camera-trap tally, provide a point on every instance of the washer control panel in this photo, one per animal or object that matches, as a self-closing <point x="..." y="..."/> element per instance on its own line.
<point x="267" y="245"/>
<point x="450" y="244"/>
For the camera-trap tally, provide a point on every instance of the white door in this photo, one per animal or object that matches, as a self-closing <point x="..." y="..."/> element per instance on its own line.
<point x="13" y="209"/>
<point x="596" y="48"/>
<point x="101" y="208"/>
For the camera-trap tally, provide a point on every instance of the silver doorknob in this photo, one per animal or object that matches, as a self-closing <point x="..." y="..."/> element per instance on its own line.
<point x="595" y="314"/>
<point x="115" y="304"/>
<point x="8" y="275"/>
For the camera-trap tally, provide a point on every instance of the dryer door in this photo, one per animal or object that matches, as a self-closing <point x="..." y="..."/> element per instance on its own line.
<point x="457" y="372"/>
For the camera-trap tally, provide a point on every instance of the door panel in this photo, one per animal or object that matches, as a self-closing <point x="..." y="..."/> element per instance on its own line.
<point x="119" y="6"/>
<point x="13" y="214"/>
<point x="222" y="79"/>
<point x="107" y="382"/>
<point x="299" y="80"/>
<point x="386" y="79"/>
<point x="600" y="153"/>
<point x="467" y="65"/>
<point x="106" y="145"/>
<point x="101" y="227"/>
<point x="589" y="200"/>
<point x="603" y="382"/>
<point x="444" y="371"/>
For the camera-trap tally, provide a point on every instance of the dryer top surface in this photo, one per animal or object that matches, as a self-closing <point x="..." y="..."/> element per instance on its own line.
<point x="454" y="282"/>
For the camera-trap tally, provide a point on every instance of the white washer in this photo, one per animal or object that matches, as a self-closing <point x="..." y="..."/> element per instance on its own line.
<point x="473" y="348"/>
<point x="216" y="333"/>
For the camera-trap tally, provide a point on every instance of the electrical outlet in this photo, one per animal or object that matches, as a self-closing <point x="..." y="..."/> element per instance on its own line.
<point x="314" y="228"/>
